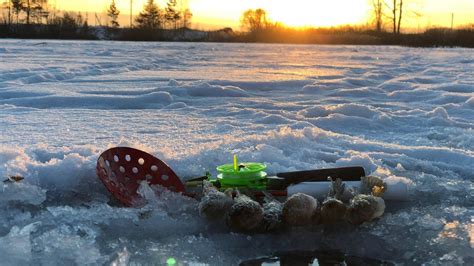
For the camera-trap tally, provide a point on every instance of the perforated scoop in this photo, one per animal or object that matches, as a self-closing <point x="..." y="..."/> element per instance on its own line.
<point x="122" y="169"/>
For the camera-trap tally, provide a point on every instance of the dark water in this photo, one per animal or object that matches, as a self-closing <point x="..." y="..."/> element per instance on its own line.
<point x="327" y="257"/>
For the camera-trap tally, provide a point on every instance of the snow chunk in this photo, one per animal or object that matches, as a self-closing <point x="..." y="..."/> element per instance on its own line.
<point x="273" y="119"/>
<point x="345" y="109"/>
<point x="204" y="89"/>
<point x="173" y="83"/>
<point x="470" y="102"/>
<point x="439" y="112"/>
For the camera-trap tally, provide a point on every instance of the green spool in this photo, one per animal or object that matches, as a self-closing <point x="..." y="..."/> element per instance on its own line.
<point x="249" y="175"/>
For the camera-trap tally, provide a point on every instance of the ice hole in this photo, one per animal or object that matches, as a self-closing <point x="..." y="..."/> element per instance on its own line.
<point x="164" y="177"/>
<point x="154" y="168"/>
<point x="116" y="158"/>
<point x="122" y="169"/>
<point x="135" y="170"/>
<point x="141" y="161"/>
<point x="107" y="163"/>
<point x="128" y="158"/>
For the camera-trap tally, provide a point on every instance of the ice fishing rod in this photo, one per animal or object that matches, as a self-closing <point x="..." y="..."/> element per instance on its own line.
<point x="122" y="169"/>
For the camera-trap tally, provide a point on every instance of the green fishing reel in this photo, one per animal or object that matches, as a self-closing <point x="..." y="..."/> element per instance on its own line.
<point x="243" y="175"/>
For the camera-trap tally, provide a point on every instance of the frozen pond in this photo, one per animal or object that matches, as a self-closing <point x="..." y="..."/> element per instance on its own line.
<point x="396" y="111"/>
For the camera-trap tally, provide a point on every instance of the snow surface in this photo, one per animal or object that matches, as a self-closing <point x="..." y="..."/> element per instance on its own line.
<point x="399" y="112"/>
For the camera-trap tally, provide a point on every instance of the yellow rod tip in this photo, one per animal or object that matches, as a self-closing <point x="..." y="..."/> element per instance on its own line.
<point x="236" y="167"/>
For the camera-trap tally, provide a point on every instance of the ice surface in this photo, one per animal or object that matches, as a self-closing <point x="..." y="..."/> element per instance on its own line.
<point x="404" y="114"/>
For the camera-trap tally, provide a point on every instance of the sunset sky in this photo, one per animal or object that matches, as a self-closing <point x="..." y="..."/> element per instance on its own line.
<point x="215" y="14"/>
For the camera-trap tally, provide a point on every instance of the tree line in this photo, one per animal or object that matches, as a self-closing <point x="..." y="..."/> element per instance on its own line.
<point x="34" y="19"/>
<point x="153" y="17"/>
<point x="174" y="15"/>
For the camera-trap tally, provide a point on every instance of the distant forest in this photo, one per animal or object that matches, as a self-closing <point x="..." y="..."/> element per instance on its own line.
<point x="33" y="19"/>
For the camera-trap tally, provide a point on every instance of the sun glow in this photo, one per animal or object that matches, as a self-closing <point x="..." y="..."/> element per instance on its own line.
<point x="296" y="13"/>
<point x="300" y="13"/>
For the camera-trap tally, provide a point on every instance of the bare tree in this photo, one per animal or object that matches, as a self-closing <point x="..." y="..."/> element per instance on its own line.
<point x="8" y="6"/>
<point x="400" y="11"/>
<point x="394" y="16"/>
<point x="396" y="10"/>
<point x="27" y="9"/>
<point x="131" y="13"/>
<point x="186" y="17"/>
<point x="185" y="12"/>
<point x="254" y="20"/>
<point x="417" y="16"/>
<point x="378" y="14"/>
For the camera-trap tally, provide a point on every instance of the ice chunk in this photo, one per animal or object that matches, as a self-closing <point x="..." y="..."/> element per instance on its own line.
<point x="123" y="258"/>
<point x="15" y="247"/>
<point x="76" y="244"/>
<point x="21" y="192"/>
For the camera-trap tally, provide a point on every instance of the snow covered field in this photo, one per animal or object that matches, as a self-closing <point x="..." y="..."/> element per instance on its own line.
<point x="396" y="111"/>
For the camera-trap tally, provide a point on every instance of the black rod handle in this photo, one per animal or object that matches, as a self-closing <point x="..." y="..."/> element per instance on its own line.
<point x="344" y="173"/>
